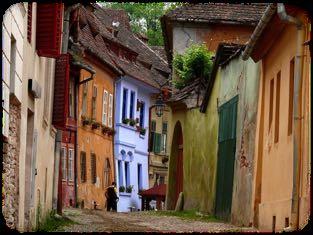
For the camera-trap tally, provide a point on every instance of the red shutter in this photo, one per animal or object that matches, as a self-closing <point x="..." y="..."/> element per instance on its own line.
<point x="29" y="21"/>
<point x="49" y="27"/>
<point x="61" y="91"/>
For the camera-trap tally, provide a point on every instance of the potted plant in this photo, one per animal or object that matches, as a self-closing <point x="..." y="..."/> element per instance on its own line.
<point x="125" y="120"/>
<point x="85" y="120"/>
<point x="129" y="189"/>
<point x="121" y="189"/>
<point x="132" y="122"/>
<point x="111" y="131"/>
<point x="94" y="124"/>
<point x="105" y="129"/>
<point x="142" y="131"/>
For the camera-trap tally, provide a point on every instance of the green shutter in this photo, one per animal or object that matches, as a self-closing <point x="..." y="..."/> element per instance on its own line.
<point x="157" y="142"/>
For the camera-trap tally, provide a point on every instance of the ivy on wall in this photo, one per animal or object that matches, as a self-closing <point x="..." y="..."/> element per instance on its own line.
<point x="196" y="62"/>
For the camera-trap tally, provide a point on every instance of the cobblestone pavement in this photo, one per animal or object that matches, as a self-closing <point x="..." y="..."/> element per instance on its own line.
<point x="102" y="221"/>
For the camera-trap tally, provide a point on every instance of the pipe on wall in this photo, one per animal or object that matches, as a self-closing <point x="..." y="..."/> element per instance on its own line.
<point x="281" y="11"/>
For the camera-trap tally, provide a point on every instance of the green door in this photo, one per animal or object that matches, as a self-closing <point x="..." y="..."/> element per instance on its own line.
<point x="226" y="158"/>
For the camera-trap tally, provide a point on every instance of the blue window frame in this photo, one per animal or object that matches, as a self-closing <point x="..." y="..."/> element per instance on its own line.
<point x="132" y="103"/>
<point x="124" y="107"/>
<point x="127" y="175"/>
<point x="139" y="174"/>
<point x="142" y="114"/>
<point x="120" y="172"/>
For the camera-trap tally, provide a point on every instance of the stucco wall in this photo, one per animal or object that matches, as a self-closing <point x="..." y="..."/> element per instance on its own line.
<point x="94" y="141"/>
<point x="129" y="140"/>
<point x="199" y="154"/>
<point x="241" y="78"/>
<point x="277" y="158"/>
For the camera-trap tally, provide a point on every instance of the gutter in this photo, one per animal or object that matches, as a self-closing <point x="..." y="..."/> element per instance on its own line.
<point x="269" y="12"/>
<point x="297" y="119"/>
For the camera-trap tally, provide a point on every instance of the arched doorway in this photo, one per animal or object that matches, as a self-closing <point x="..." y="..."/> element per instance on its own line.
<point x="175" y="180"/>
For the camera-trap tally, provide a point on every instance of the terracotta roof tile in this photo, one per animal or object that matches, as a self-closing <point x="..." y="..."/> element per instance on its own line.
<point x="248" y="14"/>
<point x="159" y="190"/>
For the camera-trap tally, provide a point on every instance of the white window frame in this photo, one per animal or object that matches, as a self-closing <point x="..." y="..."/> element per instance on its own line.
<point x="110" y="110"/>
<point x="104" y="107"/>
<point x="64" y="161"/>
<point x="70" y="165"/>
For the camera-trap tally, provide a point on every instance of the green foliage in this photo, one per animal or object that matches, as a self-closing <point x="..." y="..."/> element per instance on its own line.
<point x="196" y="62"/>
<point x="187" y="215"/>
<point x="52" y="223"/>
<point x="121" y="188"/>
<point x="129" y="188"/>
<point x="145" y="17"/>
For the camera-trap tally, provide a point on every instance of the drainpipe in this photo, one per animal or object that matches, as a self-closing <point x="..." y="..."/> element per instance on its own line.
<point x="281" y="11"/>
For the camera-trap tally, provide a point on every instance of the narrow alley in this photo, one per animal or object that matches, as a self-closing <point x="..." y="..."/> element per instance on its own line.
<point x="143" y="221"/>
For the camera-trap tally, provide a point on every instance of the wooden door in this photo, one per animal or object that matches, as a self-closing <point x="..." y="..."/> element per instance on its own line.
<point x="179" y="164"/>
<point x="226" y="158"/>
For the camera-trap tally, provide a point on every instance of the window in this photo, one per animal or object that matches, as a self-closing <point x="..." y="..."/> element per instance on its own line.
<point x="157" y="143"/>
<point x="291" y="87"/>
<point x="70" y="164"/>
<point x="124" y="111"/>
<point x="93" y="168"/>
<point x="110" y="110"/>
<point x="84" y="101"/>
<point x="107" y="170"/>
<point x="120" y="172"/>
<point x="271" y="103"/>
<point x="29" y="21"/>
<point x="277" y="108"/>
<point x="139" y="174"/>
<point x="64" y="160"/>
<point x="142" y="114"/>
<point x="83" y="167"/>
<point x="161" y="180"/>
<point x="93" y="102"/>
<point x="104" y="107"/>
<point x="72" y="98"/>
<point x="47" y="90"/>
<point x="13" y="64"/>
<point x="127" y="176"/>
<point x="164" y="137"/>
<point x="152" y="132"/>
<point x="132" y="104"/>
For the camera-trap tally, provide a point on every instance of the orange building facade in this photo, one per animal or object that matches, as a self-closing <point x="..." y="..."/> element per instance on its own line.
<point x="95" y="165"/>
<point x="277" y="195"/>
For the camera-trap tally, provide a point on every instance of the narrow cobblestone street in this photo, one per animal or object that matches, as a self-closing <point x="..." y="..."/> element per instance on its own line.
<point x="102" y="221"/>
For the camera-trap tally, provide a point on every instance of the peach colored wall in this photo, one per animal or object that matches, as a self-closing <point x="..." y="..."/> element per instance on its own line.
<point x="93" y="140"/>
<point x="277" y="158"/>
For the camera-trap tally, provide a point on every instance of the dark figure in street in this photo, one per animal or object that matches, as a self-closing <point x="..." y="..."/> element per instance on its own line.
<point x="112" y="198"/>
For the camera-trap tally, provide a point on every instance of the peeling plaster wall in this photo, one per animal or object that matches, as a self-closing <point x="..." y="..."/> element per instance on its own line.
<point x="242" y="78"/>
<point x="200" y="155"/>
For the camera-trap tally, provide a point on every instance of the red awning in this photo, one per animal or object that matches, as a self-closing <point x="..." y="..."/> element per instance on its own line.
<point x="156" y="191"/>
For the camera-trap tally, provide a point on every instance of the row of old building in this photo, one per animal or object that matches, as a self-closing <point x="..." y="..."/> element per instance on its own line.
<point x="241" y="142"/>
<point x="79" y="91"/>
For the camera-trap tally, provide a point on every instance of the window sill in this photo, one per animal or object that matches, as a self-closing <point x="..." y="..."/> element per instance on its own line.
<point x="141" y="136"/>
<point x="125" y="194"/>
<point x="126" y="126"/>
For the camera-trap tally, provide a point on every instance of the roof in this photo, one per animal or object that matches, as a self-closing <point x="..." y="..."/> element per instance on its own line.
<point x="160" y="50"/>
<point x="246" y="14"/>
<point x="225" y="52"/>
<point x="159" y="190"/>
<point x="96" y="34"/>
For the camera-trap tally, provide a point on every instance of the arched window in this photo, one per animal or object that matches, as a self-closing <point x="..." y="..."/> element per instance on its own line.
<point x="107" y="173"/>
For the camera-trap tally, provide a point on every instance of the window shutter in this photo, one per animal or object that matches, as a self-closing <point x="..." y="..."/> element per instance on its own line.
<point x="151" y="142"/>
<point x="110" y="110"/>
<point x="61" y="91"/>
<point x="157" y="143"/>
<point x="93" y="168"/>
<point x="29" y="21"/>
<point x="83" y="166"/>
<point x="104" y="107"/>
<point x="49" y="28"/>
